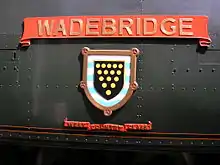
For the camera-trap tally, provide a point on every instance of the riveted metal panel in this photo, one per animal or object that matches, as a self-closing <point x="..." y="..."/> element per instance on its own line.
<point x="13" y="104"/>
<point x="190" y="7"/>
<point x="179" y="93"/>
<point x="56" y="76"/>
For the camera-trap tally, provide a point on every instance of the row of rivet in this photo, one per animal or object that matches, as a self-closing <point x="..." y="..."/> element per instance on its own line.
<point x="140" y="61"/>
<point x="188" y="69"/>
<point x="122" y="140"/>
<point x="151" y="88"/>
<point x="140" y="74"/>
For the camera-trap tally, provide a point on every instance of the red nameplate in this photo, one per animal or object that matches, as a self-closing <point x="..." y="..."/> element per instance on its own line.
<point x="110" y="127"/>
<point x="121" y="26"/>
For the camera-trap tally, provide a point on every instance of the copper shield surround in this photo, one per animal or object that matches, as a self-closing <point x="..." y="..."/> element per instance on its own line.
<point x="132" y="84"/>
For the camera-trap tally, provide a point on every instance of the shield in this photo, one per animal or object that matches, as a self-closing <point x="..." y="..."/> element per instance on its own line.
<point x="109" y="77"/>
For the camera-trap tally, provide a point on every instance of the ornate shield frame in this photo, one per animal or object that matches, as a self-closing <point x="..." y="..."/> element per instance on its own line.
<point x="86" y="52"/>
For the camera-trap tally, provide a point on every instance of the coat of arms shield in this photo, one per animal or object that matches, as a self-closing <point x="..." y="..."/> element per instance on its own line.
<point x="109" y="77"/>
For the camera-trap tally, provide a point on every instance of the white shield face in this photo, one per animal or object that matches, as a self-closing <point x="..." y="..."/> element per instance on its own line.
<point x="108" y="78"/>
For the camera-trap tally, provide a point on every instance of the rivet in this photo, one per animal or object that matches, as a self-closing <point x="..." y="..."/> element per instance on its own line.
<point x="139" y="97"/>
<point x="160" y="142"/>
<point x="29" y="137"/>
<point x="126" y="141"/>
<point x="106" y="140"/>
<point x="191" y="143"/>
<point x="187" y="70"/>
<point x="149" y="142"/>
<point x="57" y="86"/>
<point x="174" y="70"/>
<point x="212" y="143"/>
<point x="47" y="85"/>
<point x="181" y="142"/>
<point x="200" y="70"/>
<point x="38" y="137"/>
<point x="96" y="140"/>
<point x="172" y="49"/>
<point x="173" y="88"/>
<point x="9" y="134"/>
<point x="5" y="67"/>
<point x="57" y="138"/>
<point x="14" y="54"/>
<point x="183" y="89"/>
<point x="116" y="141"/>
<point x="194" y="89"/>
<point x="86" y="139"/>
<point x="66" y="86"/>
<point x="213" y="69"/>
<point x="138" y="115"/>
<point x="139" y="106"/>
<point x="205" y="89"/>
<point x="67" y="139"/>
<point x="76" y="139"/>
<point x="16" y="68"/>
<point x="162" y="89"/>
<point x="201" y="142"/>
<point x="38" y="86"/>
<point x="171" y="142"/>
<point x="172" y="60"/>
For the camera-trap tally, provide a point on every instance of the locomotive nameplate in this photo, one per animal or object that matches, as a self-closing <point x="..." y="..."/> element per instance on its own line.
<point x="109" y="77"/>
<point x="136" y="26"/>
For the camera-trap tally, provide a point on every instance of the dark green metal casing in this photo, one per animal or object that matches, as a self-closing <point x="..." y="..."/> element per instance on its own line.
<point x="179" y="87"/>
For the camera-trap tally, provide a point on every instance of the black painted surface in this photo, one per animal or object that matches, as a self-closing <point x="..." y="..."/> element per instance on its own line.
<point x="179" y="89"/>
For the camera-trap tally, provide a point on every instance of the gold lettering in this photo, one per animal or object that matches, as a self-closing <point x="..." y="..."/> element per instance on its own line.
<point x="162" y="28"/>
<point x="61" y="27"/>
<point x="80" y="22"/>
<point x="154" y="21"/>
<point x="89" y="26"/>
<point x="46" y="25"/>
<point x="109" y="26"/>
<point x="182" y="33"/>
<point x="123" y="26"/>
<point x="138" y="26"/>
